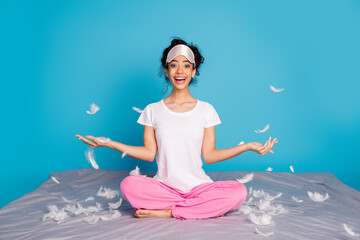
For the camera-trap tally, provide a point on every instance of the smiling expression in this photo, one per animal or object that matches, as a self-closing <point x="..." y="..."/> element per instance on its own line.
<point x="180" y="71"/>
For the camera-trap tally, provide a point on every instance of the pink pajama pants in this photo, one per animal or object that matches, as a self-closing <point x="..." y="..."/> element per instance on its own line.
<point x="203" y="201"/>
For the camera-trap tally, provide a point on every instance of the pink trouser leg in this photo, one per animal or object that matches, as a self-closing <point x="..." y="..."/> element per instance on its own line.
<point x="204" y="201"/>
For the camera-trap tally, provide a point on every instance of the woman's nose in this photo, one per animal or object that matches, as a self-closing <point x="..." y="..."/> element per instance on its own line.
<point x="179" y="70"/>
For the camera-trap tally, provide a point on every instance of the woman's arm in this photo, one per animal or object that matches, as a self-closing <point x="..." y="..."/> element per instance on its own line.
<point x="213" y="155"/>
<point x="145" y="153"/>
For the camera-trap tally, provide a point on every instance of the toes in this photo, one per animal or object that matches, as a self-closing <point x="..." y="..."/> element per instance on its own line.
<point x="142" y="212"/>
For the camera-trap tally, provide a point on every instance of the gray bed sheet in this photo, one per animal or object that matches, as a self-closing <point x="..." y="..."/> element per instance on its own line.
<point x="22" y="218"/>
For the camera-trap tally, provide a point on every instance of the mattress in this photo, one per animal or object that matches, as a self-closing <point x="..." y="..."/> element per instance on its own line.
<point x="23" y="218"/>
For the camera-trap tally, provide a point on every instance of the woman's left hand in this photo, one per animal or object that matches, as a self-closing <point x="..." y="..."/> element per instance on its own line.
<point x="262" y="149"/>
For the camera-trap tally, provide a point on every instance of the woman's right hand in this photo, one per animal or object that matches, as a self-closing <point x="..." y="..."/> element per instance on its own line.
<point x="93" y="142"/>
<point x="262" y="149"/>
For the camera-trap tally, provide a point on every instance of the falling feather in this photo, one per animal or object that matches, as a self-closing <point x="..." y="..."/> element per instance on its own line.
<point x="103" y="140"/>
<point x="126" y="153"/>
<point x="264" y="234"/>
<point x="350" y="231"/>
<point x="136" y="172"/>
<point x="55" y="180"/>
<point x="246" y="178"/>
<point x="269" y="169"/>
<point x="242" y="142"/>
<point x="262" y="220"/>
<point x="291" y="168"/>
<point x="91" y="158"/>
<point x="317" y="197"/>
<point x="297" y="199"/>
<point x="93" y="109"/>
<point x="276" y="89"/>
<point x="263" y="130"/>
<point x="137" y="109"/>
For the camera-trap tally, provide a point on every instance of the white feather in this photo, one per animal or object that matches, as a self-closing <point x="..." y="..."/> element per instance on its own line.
<point x="264" y="234"/>
<point x="269" y="169"/>
<point x="80" y="210"/>
<point x="89" y="199"/>
<point x="249" y="200"/>
<point x="246" y="178"/>
<point x="92" y="219"/>
<point x="275" y="89"/>
<point x="317" y="197"/>
<point x="262" y="220"/>
<point x="350" y="231"/>
<point x="115" y="214"/>
<point x="55" y="214"/>
<point x="264" y="206"/>
<point x="277" y="210"/>
<point x="242" y="142"/>
<point x="126" y="153"/>
<point x="103" y="141"/>
<point x="52" y="208"/>
<point x="291" y="168"/>
<point x="67" y="200"/>
<point x="55" y="180"/>
<point x="99" y="206"/>
<point x="70" y="208"/>
<point x="136" y="172"/>
<point x="91" y="158"/>
<point x="93" y="109"/>
<point x="258" y="193"/>
<point x="268" y="197"/>
<point x="250" y="190"/>
<point x="263" y="130"/>
<point x="137" y="109"/>
<point x="115" y="205"/>
<point x="107" y="193"/>
<point x="245" y="209"/>
<point x="297" y="199"/>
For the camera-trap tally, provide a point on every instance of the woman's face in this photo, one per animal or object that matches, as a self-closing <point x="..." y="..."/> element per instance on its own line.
<point x="180" y="71"/>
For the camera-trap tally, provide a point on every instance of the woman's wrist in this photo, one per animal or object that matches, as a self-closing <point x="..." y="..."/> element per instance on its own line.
<point x="110" y="144"/>
<point x="248" y="147"/>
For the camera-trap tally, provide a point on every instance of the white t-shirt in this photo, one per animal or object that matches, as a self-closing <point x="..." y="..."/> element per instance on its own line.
<point x="179" y="139"/>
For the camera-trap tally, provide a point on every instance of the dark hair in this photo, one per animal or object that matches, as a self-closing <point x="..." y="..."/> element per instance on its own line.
<point x="199" y="59"/>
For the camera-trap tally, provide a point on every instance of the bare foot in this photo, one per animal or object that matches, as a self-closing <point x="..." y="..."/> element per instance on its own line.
<point x="145" y="213"/>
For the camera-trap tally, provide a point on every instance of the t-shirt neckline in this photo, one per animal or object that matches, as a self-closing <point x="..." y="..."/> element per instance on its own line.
<point x="182" y="113"/>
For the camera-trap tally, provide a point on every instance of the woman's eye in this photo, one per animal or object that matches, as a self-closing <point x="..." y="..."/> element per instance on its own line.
<point x="172" y="65"/>
<point x="187" y="66"/>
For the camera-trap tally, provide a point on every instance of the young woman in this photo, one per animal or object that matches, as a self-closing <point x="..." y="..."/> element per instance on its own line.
<point x="179" y="129"/>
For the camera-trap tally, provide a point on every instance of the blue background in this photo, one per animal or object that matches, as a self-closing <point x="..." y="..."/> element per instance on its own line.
<point x="57" y="57"/>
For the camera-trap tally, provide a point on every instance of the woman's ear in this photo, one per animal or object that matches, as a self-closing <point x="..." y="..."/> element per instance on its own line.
<point x="193" y="72"/>
<point x="166" y="72"/>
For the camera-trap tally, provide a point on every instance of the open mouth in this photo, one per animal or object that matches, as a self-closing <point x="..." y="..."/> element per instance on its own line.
<point x="179" y="80"/>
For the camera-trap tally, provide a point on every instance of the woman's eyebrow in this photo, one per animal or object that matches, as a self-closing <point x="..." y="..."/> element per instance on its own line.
<point x="183" y="61"/>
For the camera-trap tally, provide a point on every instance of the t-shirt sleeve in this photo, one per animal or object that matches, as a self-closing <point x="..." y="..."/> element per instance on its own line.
<point x="212" y="117"/>
<point x="146" y="117"/>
